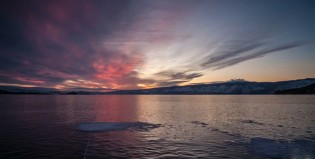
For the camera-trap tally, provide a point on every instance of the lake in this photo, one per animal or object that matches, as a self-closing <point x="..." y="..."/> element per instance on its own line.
<point x="158" y="126"/>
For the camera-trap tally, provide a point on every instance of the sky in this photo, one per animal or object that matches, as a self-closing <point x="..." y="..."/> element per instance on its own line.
<point x="111" y="44"/>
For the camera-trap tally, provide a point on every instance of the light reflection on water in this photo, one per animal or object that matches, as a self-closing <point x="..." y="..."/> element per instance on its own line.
<point x="204" y="126"/>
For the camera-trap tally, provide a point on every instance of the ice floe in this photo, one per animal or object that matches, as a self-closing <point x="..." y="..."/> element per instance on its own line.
<point x="200" y="123"/>
<point x="115" y="126"/>
<point x="282" y="149"/>
<point x="248" y="121"/>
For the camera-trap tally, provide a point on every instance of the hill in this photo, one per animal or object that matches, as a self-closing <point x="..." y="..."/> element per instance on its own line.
<point x="230" y="87"/>
<point x="310" y="89"/>
<point x="301" y="86"/>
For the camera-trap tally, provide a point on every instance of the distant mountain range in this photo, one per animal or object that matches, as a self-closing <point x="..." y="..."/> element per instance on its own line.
<point x="310" y="89"/>
<point x="301" y="86"/>
<point x="229" y="87"/>
<point x="25" y="90"/>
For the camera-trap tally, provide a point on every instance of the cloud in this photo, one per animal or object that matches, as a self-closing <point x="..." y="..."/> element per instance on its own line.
<point x="243" y="51"/>
<point x="172" y="77"/>
<point x="230" y="52"/>
<point x="82" y="85"/>
<point x="113" y="44"/>
<point x="258" y="54"/>
<point x="170" y="83"/>
<point x="47" y="43"/>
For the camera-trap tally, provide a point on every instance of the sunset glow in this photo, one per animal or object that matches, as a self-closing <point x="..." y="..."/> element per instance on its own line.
<point x="106" y="45"/>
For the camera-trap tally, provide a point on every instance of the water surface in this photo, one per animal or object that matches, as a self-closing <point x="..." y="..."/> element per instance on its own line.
<point x="188" y="126"/>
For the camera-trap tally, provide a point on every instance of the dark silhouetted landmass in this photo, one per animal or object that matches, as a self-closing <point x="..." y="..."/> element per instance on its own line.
<point x="230" y="87"/>
<point x="25" y="90"/>
<point x="301" y="86"/>
<point x="310" y="89"/>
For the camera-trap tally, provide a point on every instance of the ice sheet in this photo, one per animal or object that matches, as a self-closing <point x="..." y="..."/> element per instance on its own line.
<point x="115" y="126"/>
<point x="282" y="149"/>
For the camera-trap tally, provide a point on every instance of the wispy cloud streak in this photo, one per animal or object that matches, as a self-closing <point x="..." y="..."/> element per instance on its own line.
<point x="229" y="56"/>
